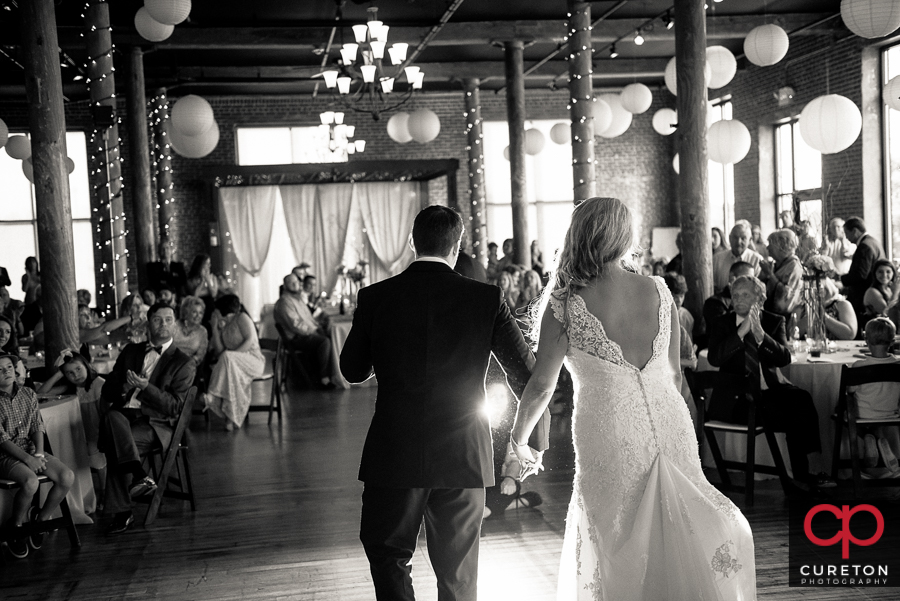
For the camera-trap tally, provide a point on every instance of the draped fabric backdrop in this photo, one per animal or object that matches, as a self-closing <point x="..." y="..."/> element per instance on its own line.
<point x="325" y="225"/>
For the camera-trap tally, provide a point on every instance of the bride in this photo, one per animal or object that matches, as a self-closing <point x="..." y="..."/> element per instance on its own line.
<point x="643" y="522"/>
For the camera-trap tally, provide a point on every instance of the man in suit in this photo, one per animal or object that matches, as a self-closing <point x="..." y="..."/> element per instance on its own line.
<point x="167" y="272"/>
<point x="859" y="277"/>
<point x="141" y="402"/>
<point x="749" y="342"/>
<point x="720" y="302"/>
<point x="740" y="252"/>
<point x="428" y="335"/>
<point x="469" y="267"/>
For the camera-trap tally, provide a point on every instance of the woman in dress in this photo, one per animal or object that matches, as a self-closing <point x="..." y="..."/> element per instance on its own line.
<point x="190" y="336"/>
<point x="643" y="523"/>
<point x="235" y="343"/>
<point x="840" y="318"/>
<point x="880" y="292"/>
<point x="203" y="284"/>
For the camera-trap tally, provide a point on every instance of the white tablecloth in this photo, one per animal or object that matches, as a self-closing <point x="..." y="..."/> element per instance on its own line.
<point x="340" y="329"/>
<point x="821" y="377"/>
<point x="62" y="420"/>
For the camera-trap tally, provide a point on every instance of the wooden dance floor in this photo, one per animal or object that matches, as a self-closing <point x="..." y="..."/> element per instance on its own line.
<point x="277" y="518"/>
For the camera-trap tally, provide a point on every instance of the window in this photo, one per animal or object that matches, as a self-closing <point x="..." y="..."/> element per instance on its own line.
<point x="18" y="226"/>
<point x="798" y="177"/>
<point x="891" y="68"/>
<point x="721" y="177"/>
<point x="287" y="145"/>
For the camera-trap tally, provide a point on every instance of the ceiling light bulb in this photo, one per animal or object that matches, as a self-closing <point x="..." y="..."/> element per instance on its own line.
<point x="401" y="48"/>
<point x="348" y="52"/>
<point x="359" y="32"/>
<point x="374" y="29"/>
<point x="420" y="77"/>
<point x="327" y="117"/>
<point x="360" y="145"/>
<point x="395" y="56"/>
<point x="382" y="32"/>
<point x="338" y="118"/>
<point x="377" y="49"/>
<point x="638" y="38"/>
<point x="411" y="73"/>
<point x="343" y="84"/>
<point x="368" y="73"/>
<point x="351" y="149"/>
<point x="349" y="130"/>
<point x="330" y="78"/>
<point x="387" y="85"/>
<point x="670" y="23"/>
<point x="612" y="51"/>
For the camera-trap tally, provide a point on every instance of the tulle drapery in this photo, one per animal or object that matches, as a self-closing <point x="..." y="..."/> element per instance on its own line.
<point x="248" y="215"/>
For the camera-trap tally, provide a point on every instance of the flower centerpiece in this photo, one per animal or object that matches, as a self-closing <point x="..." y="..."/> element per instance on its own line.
<point x="817" y="267"/>
<point x="351" y="280"/>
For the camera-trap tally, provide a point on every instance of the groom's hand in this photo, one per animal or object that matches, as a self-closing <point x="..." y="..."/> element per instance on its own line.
<point x="529" y="459"/>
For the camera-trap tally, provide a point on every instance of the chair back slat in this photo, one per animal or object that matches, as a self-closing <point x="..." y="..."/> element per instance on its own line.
<point x="868" y="374"/>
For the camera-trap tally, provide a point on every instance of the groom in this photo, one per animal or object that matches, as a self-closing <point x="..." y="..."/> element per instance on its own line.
<point x="428" y="334"/>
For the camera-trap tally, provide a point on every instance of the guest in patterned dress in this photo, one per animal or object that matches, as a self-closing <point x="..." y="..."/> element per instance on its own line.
<point x="190" y="335"/>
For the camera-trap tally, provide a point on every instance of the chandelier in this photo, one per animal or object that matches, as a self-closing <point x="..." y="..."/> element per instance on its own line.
<point x="363" y="83"/>
<point x="339" y="133"/>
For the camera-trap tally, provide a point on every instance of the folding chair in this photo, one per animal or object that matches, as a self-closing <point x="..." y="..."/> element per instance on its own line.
<point x="847" y="413"/>
<point x="702" y="381"/>
<point x="284" y="355"/>
<point x="176" y="450"/>
<point x="50" y="525"/>
<point x="269" y="347"/>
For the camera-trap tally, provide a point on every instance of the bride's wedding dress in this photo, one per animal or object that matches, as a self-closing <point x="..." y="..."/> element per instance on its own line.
<point x="643" y="524"/>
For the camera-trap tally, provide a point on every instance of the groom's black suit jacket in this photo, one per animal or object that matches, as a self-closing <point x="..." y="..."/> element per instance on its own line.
<point x="428" y="334"/>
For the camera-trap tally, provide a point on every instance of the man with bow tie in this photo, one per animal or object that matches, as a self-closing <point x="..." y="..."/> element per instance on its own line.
<point x="141" y="401"/>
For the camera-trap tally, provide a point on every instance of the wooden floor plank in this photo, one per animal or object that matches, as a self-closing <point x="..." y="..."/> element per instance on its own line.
<point x="278" y="517"/>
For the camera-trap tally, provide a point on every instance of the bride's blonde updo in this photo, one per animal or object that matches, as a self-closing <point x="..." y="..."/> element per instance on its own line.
<point x="600" y="234"/>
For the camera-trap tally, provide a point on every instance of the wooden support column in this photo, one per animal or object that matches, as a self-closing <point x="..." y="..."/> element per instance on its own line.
<point x="580" y="98"/>
<point x="162" y="163"/>
<point x="139" y="147"/>
<point x="47" y="124"/>
<point x="475" y="149"/>
<point x="515" y="111"/>
<point x="106" y="170"/>
<point x="693" y="195"/>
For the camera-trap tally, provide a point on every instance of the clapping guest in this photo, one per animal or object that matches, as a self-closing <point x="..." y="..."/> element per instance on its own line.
<point x="837" y="246"/>
<point x="782" y="274"/>
<point x="190" y="337"/>
<point x="720" y="302"/>
<point x="239" y="360"/>
<point x="840" y="318"/>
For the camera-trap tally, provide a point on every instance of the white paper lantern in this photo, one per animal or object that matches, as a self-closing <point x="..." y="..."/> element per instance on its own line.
<point x="664" y="121"/>
<point x="603" y="115"/>
<point x="28" y="169"/>
<point x="506" y="153"/>
<point x="830" y="123"/>
<point x="70" y="165"/>
<point x="149" y="28"/>
<point x="192" y="115"/>
<point x="168" y="12"/>
<point x="18" y="147"/>
<point x="671" y="77"/>
<point x="728" y="141"/>
<point x="636" y="98"/>
<point x="534" y="141"/>
<point x="621" y="119"/>
<point x="4" y="133"/>
<point x="891" y="93"/>
<point x="398" y="128"/>
<point x="722" y="66"/>
<point x="766" y="45"/>
<point x="675" y="164"/>
<point x="561" y="133"/>
<point x="424" y="126"/>
<point x="871" y="18"/>
<point x="195" y="147"/>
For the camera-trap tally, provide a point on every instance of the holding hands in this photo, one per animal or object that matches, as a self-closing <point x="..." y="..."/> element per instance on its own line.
<point x="530" y="461"/>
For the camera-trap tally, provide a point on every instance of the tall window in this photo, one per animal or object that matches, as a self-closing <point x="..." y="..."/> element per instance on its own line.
<point x="798" y="177"/>
<point x="721" y="177"/>
<point x="288" y="145"/>
<point x="890" y="69"/>
<point x="18" y="226"/>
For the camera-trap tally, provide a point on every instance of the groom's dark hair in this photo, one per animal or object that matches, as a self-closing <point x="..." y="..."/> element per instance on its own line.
<point x="436" y="230"/>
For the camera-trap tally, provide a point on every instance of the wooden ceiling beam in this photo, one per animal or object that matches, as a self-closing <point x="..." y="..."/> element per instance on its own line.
<point x="453" y="34"/>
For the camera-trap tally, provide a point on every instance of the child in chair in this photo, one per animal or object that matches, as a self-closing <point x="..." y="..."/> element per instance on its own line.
<point x="22" y="458"/>
<point x="879" y="399"/>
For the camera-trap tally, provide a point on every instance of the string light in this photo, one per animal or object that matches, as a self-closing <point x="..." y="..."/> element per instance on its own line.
<point x="475" y="150"/>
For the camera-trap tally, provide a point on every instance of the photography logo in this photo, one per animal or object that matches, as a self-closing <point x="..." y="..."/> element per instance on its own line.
<point x="844" y="543"/>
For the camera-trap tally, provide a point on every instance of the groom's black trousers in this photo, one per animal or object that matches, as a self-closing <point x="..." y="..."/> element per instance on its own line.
<point x="391" y="518"/>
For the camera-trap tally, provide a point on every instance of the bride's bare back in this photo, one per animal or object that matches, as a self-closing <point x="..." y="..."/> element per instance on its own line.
<point x="627" y="305"/>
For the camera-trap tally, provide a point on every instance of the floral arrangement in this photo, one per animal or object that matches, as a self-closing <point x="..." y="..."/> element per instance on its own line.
<point x="820" y="263"/>
<point x="354" y="274"/>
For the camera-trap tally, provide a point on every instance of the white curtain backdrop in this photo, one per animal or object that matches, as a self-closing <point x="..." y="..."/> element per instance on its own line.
<point x="388" y="210"/>
<point x="249" y="212"/>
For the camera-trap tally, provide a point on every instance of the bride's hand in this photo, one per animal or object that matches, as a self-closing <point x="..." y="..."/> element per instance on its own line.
<point x="529" y="459"/>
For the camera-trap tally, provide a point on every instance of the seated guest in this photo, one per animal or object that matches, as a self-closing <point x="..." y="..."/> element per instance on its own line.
<point x="722" y="261"/>
<point x="659" y="267"/>
<point x="316" y="304"/>
<point x="678" y="287"/>
<point x="132" y="306"/>
<point x="77" y="376"/>
<point x="757" y="242"/>
<point x="88" y="333"/>
<point x="531" y="289"/>
<point x="203" y="284"/>
<point x="84" y="298"/>
<point x="878" y="400"/>
<point x="239" y="360"/>
<point x="140" y="402"/>
<point x="167" y="272"/>
<point x="148" y="295"/>
<point x="167" y="297"/>
<point x="510" y="293"/>
<point x="22" y="458"/>
<point x="191" y="338"/>
<point x="881" y="291"/>
<point x="750" y="338"/>
<point x="840" y="318"/>
<point x="12" y="309"/>
<point x="720" y="302"/>
<point x="9" y="344"/>
<point x="508" y="255"/>
<point x="784" y="275"/>
<point x="301" y="271"/>
<point x="302" y="331"/>
<point x="837" y="246"/>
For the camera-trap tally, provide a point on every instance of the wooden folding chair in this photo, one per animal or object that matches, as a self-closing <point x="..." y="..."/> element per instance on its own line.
<point x="177" y="449"/>
<point x="50" y="525"/>
<point x="702" y="381"/>
<point x="283" y="359"/>
<point x="269" y="347"/>
<point x="847" y="413"/>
